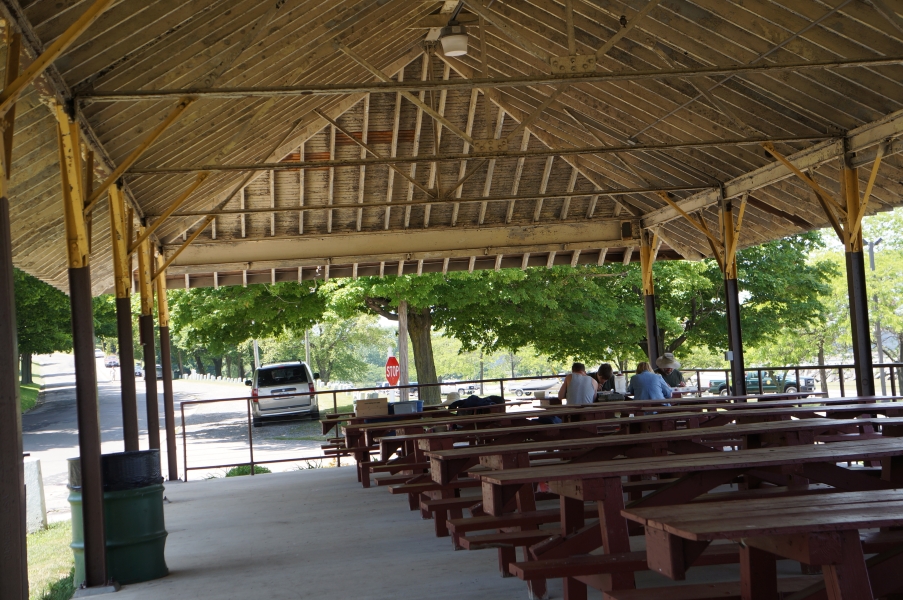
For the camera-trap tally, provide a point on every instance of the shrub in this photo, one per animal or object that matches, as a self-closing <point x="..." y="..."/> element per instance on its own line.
<point x="246" y="470"/>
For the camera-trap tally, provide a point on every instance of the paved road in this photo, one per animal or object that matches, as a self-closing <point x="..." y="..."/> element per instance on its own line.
<point x="217" y="433"/>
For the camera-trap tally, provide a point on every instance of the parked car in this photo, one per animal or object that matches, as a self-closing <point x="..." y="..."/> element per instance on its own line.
<point x="527" y="388"/>
<point x="98" y="353"/>
<point x="111" y="361"/>
<point x="139" y="372"/>
<point x="283" y="389"/>
<point x="771" y="384"/>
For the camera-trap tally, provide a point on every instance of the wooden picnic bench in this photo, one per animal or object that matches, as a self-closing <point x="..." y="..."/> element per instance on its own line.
<point x="446" y="465"/>
<point x="697" y="474"/>
<point x="820" y="530"/>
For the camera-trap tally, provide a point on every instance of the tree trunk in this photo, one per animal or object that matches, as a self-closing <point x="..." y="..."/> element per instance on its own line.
<point x="200" y="364"/>
<point x="181" y="368"/>
<point x="420" y="325"/>
<point x="821" y="363"/>
<point x="241" y="367"/>
<point x="218" y="366"/>
<point x="228" y="366"/>
<point x="26" y="368"/>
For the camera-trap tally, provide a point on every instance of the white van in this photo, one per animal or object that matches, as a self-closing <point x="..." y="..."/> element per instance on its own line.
<point x="283" y="389"/>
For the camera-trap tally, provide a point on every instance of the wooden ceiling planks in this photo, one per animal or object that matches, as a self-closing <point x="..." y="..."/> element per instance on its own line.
<point x="230" y="43"/>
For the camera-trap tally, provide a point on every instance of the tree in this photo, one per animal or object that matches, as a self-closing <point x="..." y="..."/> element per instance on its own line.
<point x="340" y="349"/>
<point x="220" y="320"/>
<point x="105" y="320"/>
<point x="43" y="320"/>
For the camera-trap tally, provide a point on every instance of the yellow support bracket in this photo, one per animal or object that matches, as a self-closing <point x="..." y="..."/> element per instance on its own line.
<point x="181" y="248"/>
<point x="71" y="174"/>
<point x="703" y="229"/>
<point x="171" y="118"/>
<point x="735" y="239"/>
<point x="145" y="278"/>
<point x="169" y="210"/>
<point x="819" y="191"/>
<point x="162" y="301"/>
<point x="11" y="92"/>
<point x="863" y="204"/>
<point x="120" y="232"/>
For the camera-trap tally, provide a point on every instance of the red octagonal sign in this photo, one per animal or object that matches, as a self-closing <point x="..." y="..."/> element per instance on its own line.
<point x="393" y="371"/>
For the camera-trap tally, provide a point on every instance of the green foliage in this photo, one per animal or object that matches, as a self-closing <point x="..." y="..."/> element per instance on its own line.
<point x="246" y="470"/>
<point x="28" y="395"/>
<point x="885" y="285"/>
<point x="350" y="349"/>
<point x="221" y="319"/>
<point x="105" y="320"/>
<point x="43" y="316"/>
<point x="781" y="291"/>
<point x="50" y="563"/>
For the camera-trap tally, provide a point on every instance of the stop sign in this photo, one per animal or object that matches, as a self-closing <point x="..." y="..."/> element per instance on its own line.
<point x="393" y="371"/>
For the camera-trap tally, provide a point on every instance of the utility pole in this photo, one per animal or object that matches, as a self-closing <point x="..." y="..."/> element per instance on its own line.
<point x="307" y="346"/>
<point x="878" y="340"/>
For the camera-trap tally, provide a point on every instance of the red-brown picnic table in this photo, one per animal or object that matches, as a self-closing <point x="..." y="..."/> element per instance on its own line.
<point x="679" y="404"/>
<point x="332" y="420"/>
<point x="662" y="419"/>
<point x="446" y="465"/>
<point x="359" y="438"/>
<point x="818" y="530"/>
<point x="697" y="474"/>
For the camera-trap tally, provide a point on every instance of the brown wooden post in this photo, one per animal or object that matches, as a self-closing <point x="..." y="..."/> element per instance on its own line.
<point x="856" y="288"/>
<point x="77" y="247"/>
<point x="166" y="362"/>
<point x="647" y="259"/>
<point x="732" y="298"/>
<point x="123" y="286"/>
<point x="13" y="558"/>
<point x="146" y="334"/>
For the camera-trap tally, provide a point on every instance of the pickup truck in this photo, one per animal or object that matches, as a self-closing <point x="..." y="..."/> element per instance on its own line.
<point x="771" y="384"/>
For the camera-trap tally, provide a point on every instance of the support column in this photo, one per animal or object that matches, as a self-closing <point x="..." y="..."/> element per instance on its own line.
<point x="647" y="259"/>
<point x="13" y="563"/>
<point x="166" y="362"/>
<point x="403" y="349"/>
<point x="123" y="285"/>
<point x="732" y="299"/>
<point x="856" y="288"/>
<point x="13" y="556"/>
<point x="146" y="335"/>
<point x="77" y="245"/>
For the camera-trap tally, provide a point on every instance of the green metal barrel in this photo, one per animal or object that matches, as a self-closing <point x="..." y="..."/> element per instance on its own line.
<point x="133" y="522"/>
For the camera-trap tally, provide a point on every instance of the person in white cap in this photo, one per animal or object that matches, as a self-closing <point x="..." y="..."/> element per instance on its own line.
<point x="668" y="368"/>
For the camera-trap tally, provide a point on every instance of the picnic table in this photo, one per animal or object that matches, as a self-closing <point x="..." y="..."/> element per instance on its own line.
<point x="446" y="465"/>
<point x="820" y="530"/>
<point x="695" y="475"/>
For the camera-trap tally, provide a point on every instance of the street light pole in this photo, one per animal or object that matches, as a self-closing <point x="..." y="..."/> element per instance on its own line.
<point x="878" y="340"/>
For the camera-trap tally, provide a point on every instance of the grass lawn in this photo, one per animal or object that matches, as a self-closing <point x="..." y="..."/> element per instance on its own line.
<point x="50" y="563"/>
<point x="28" y="395"/>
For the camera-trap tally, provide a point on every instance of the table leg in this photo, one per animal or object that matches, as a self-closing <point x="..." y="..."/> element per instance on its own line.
<point x="615" y="537"/>
<point x="572" y="520"/>
<point x="758" y="574"/>
<point x="848" y="580"/>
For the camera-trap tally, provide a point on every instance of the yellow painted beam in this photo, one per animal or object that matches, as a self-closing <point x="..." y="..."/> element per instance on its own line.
<point x="77" y="244"/>
<point x="171" y="118"/>
<point x="119" y="230"/>
<point x="11" y="92"/>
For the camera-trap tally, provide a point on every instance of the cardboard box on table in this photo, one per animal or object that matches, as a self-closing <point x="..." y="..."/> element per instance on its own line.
<point x="371" y="407"/>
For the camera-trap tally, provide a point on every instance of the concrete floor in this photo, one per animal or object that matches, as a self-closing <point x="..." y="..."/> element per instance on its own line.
<point x="318" y="534"/>
<point x="311" y="534"/>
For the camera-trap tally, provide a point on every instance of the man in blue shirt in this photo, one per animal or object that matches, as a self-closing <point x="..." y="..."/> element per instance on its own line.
<point x="646" y="385"/>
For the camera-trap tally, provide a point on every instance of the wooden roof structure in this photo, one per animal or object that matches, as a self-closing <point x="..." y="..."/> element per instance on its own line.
<point x="308" y="138"/>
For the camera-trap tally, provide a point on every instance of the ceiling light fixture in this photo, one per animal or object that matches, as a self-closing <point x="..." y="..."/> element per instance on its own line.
<point x="453" y="36"/>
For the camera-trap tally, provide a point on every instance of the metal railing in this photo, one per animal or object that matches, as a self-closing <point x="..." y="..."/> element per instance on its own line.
<point x="895" y="376"/>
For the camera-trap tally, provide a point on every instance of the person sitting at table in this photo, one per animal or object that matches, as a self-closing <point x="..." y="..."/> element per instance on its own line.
<point x="646" y="385"/>
<point x="668" y="368"/>
<point x="578" y="387"/>
<point x="605" y="377"/>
